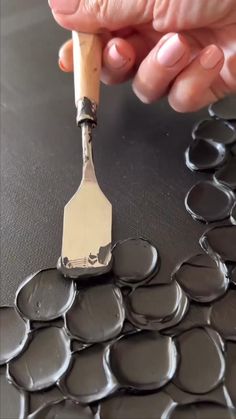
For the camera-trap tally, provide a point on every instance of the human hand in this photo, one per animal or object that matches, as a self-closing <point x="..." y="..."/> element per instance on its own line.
<point x="185" y="50"/>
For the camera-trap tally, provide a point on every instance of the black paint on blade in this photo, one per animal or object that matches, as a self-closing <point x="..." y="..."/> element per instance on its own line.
<point x="203" y="411"/>
<point x="156" y="307"/>
<point x="226" y="175"/>
<point x="45" y="295"/>
<point x="66" y="409"/>
<point x="207" y="201"/>
<point x="202" y="365"/>
<point x="88" y="378"/>
<point x="205" y="155"/>
<point x="44" y="361"/>
<point x="97" y="314"/>
<point x="13" y="333"/>
<point x="13" y="401"/>
<point x="230" y="376"/>
<point x="202" y="278"/>
<point x="225" y="108"/>
<point x="223" y="315"/>
<point x="212" y="129"/>
<point x="150" y="406"/>
<point x="233" y="214"/>
<point x="135" y="261"/>
<point x="220" y="243"/>
<point x="144" y="361"/>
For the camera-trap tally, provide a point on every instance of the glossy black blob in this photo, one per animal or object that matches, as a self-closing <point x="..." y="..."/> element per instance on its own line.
<point x="97" y="314"/>
<point x="44" y="361"/>
<point x="233" y="214"/>
<point x="13" y="401"/>
<point x="156" y="307"/>
<point x="202" y="278"/>
<point x="13" y="334"/>
<point x="66" y="409"/>
<point x="197" y="315"/>
<point x="207" y="201"/>
<point x="205" y="155"/>
<point x="135" y="260"/>
<point x="223" y="315"/>
<point x="226" y="175"/>
<point x="219" y="395"/>
<point x="202" y="366"/>
<point x="203" y="411"/>
<point x="230" y="375"/>
<point x="89" y="378"/>
<point x="225" y="108"/>
<point x="213" y="129"/>
<point x="39" y="399"/>
<point x="45" y="295"/>
<point x="144" y="361"/>
<point x="220" y="243"/>
<point x="152" y="406"/>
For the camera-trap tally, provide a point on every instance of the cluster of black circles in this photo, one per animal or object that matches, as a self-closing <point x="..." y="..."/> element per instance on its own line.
<point x="121" y="346"/>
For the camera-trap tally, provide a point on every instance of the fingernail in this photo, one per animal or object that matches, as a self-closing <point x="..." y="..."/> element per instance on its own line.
<point x="118" y="60"/>
<point x="211" y="57"/>
<point x="171" y="51"/>
<point x="61" y="65"/>
<point x="64" y="6"/>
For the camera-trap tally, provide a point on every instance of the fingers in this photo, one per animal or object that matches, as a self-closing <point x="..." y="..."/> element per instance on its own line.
<point x="193" y="88"/>
<point x="179" y="15"/>
<point x="94" y="15"/>
<point x="65" y="56"/>
<point x="118" y="60"/>
<point x="161" y="67"/>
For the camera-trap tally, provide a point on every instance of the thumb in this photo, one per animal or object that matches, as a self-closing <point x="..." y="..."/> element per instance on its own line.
<point x="94" y="15"/>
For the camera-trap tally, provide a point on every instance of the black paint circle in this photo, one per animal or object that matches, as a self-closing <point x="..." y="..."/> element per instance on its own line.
<point x="45" y="295"/>
<point x="13" y="401"/>
<point x="14" y="333"/>
<point x="89" y="378"/>
<point x="205" y="155"/>
<point x="97" y="314"/>
<point x="202" y="278"/>
<point x="135" y="260"/>
<point x="207" y="201"/>
<point x="65" y="409"/>
<point x="223" y="315"/>
<point x="202" y="366"/>
<point x="220" y="243"/>
<point x="214" y="129"/>
<point x="226" y="175"/>
<point x="202" y="411"/>
<point x="225" y="108"/>
<point x="157" y="307"/>
<point x="44" y="361"/>
<point x="144" y="361"/>
<point x="151" y="406"/>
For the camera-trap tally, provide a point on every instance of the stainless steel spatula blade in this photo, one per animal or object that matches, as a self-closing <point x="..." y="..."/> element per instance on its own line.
<point x="87" y="227"/>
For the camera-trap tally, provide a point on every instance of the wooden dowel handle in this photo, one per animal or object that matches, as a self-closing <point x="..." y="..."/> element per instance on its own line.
<point x="87" y="55"/>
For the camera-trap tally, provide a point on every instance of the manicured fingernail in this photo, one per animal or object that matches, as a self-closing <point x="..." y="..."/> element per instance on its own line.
<point x="64" y="6"/>
<point x="61" y="65"/>
<point x="171" y="51"/>
<point x="211" y="57"/>
<point x="117" y="60"/>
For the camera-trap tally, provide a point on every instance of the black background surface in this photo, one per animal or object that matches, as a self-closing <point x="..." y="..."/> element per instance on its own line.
<point x="139" y="155"/>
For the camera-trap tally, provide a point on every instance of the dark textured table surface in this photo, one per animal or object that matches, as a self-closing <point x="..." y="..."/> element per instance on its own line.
<point x="138" y="155"/>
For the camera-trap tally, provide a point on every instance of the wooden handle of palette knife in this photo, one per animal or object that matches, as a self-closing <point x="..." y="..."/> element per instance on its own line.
<point x="87" y="54"/>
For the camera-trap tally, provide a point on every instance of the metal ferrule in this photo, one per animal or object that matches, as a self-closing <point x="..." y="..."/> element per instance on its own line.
<point x="86" y="111"/>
